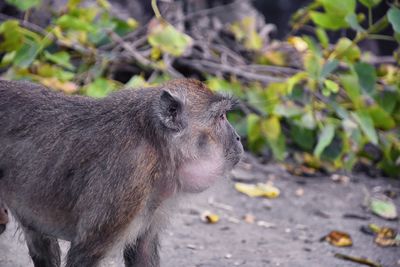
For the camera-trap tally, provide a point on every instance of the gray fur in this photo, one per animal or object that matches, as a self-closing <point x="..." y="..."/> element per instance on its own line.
<point x="83" y="169"/>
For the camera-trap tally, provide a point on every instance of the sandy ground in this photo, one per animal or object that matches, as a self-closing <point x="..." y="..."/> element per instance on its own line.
<point x="286" y="232"/>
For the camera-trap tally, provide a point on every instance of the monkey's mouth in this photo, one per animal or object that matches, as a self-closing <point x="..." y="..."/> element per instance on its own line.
<point x="2" y="228"/>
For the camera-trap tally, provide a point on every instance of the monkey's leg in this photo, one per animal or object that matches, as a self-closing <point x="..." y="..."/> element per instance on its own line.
<point x="143" y="253"/>
<point x="88" y="253"/>
<point x="44" y="250"/>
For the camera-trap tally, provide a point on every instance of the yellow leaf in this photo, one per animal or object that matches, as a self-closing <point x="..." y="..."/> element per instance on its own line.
<point x="276" y="58"/>
<point x="298" y="43"/>
<point x="271" y="127"/>
<point x="259" y="190"/>
<point x="132" y="23"/>
<point x="209" y="217"/>
<point x="66" y="87"/>
<point x="339" y="239"/>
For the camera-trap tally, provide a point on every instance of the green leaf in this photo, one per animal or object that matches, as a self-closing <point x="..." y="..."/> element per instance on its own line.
<point x="394" y="18"/>
<point x="295" y="79"/>
<point x="253" y="127"/>
<point x="288" y="110"/>
<point x="24" y="4"/>
<point x="26" y="55"/>
<point x="99" y="88"/>
<point x="271" y="128"/>
<point x="324" y="139"/>
<point x="352" y="88"/>
<point x="136" y="81"/>
<point x="383" y="208"/>
<point x="339" y="8"/>
<point x="381" y="118"/>
<point x="352" y="20"/>
<point x="322" y="37"/>
<point x="223" y="85"/>
<point x="303" y="137"/>
<point x="387" y="100"/>
<point x="168" y="39"/>
<point x="333" y="150"/>
<point x="328" y="21"/>
<point x="328" y="68"/>
<point x="366" y="76"/>
<point x="367" y="125"/>
<point x="331" y="86"/>
<point x="11" y="36"/>
<point x="68" y="21"/>
<point x="370" y="3"/>
<point x="60" y="58"/>
<point x="278" y="147"/>
<point x="346" y="49"/>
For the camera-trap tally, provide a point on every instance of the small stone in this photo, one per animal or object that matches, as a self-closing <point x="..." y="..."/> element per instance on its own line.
<point x="265" y="224"/>
<point x="249" y="218"/>
<point x="299" y="192"/>
<point x="191" y="246"/>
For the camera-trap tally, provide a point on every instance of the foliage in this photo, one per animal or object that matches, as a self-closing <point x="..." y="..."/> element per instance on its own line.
<point x="326" y="114"/>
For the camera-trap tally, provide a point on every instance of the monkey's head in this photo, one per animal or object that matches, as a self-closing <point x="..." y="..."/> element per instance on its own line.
<point x="194" y="119"/>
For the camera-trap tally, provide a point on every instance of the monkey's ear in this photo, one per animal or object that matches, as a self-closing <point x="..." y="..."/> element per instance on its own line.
<point x="171" y="112"/>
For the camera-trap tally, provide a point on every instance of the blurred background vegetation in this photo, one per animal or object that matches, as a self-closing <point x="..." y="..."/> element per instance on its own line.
<point x="318" y="82"/>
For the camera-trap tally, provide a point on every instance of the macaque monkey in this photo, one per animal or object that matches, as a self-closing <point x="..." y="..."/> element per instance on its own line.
<point x="100" y="172"/>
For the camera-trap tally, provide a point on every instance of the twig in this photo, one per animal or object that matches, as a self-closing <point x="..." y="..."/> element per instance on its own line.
<point x="25" y="23"/>
<point x="132" y="51"/>
<point x="168" y="62"/>
<point x="363" y="261"/>
<point x="212" y="67"/>
<point x="274" y="69"/>
<point x="205" y="12"/>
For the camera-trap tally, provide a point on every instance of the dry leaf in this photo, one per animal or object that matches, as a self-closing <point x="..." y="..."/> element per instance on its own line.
<point x="258" y="190"/>
<point x="66" y="87"/>
<point x="339" y="239"/>
<point x="358" y="260"/>
<point x="209" y="217"/>
<point x="387" y="237"/>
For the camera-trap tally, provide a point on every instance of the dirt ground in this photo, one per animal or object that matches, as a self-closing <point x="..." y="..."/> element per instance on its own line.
<point x="286" y="231"/>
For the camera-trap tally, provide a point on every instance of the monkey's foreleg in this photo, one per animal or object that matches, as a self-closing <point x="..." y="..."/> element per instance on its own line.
<point x="87" y="253"/>
<point x="44" y="250"/>
<point x="144" y="252"/>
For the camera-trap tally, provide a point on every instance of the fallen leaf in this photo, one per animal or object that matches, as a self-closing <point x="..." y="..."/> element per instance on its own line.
<point x="383" y="208"/>
<point x="358" y="260"/>
<point x="209" y="217"/>
<point x="387" y="237"/>
<point x="258" y="190"/>
<point x="339" y="239"/>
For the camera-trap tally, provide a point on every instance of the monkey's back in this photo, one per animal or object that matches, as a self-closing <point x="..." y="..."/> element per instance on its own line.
<point x="55" y="146"/>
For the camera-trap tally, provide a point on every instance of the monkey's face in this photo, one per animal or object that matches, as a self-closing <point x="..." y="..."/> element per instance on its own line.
<point x="208" y="144"/>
